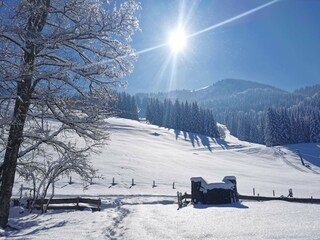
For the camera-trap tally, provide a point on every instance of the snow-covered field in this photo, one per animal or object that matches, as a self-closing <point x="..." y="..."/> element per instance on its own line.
<point x="147" y="153"/>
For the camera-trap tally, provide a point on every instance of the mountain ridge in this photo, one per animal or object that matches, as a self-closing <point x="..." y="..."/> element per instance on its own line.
<point x="235" y="94"/>
<point x="232" y="86"/>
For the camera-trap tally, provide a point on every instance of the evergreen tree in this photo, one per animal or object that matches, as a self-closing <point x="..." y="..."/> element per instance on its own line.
<point x="194" y="120"/>
<point x="183" y="116"/>
<point x="271" y="134"/>
<point x="126" y="106"/>
<point x="177" y="115"/>
<point x="315" y="127"/>
<point x="283" y="127"/>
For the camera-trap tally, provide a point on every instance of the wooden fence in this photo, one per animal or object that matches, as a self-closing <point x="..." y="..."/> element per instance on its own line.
<point x="69" y="203"/>
<point x="182" y="197"/>
<point x="287" y="199"/>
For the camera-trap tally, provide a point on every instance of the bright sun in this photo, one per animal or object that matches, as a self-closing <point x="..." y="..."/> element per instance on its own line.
<point x="178" y="40"/>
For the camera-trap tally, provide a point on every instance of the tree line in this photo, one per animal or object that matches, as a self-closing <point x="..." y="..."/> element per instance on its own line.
<point x="125" y="106"/>
<point x="277" y="125"/>
<point x="188" y="117"/>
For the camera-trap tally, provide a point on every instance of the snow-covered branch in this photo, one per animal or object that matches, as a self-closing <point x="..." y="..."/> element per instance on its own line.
<point x="14" y="40"/>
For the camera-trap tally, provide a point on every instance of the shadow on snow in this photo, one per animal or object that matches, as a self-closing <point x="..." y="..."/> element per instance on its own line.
<point x="199" y="140"/>
<point x="232" y="205"/>
<point x="309" y="152"/>
<point x="33" y="222"/>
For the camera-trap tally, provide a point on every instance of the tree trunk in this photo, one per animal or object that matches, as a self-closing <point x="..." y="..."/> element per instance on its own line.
<point x="15" y="137"/>
<point x="35" y="25"/>
<point x="10" y="158"/>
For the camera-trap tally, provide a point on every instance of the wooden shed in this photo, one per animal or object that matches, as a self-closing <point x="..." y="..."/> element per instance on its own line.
<point x="224" y="192"/>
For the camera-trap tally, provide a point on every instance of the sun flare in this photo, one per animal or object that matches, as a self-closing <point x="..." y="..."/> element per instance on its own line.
<point x="178" y="40"/>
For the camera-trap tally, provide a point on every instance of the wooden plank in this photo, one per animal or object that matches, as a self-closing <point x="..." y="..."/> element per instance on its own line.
<point x="69" y="200"/>
<point x="90" y="201"/>
<point x="186" y="195"/>
<point x="64" y="207"/>
<point x="75" y="201"/>
<point x="57" y="201"/>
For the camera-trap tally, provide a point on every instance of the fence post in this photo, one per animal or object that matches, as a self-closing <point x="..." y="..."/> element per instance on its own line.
<point x="132" y="183"/>
<point x="178" y="196"/>
<point x="290" y="193"/>
<point x="173" y="186"/>
<point x="113" y="183"/>
<point x="273" y="193"/>
<point x="254" y="191"/>
<point x="41" y="204"/>
<point x="78" y="200"/>
<point x="70" y="180"/>
<point x="21" y="189"/>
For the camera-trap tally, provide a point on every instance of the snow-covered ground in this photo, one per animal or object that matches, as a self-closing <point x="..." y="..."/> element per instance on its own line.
<point x="147" y="153"/>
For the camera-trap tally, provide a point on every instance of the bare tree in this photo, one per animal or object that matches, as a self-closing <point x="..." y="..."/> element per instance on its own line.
<point x="45" y="172"/>
<point x="49" y="51"/>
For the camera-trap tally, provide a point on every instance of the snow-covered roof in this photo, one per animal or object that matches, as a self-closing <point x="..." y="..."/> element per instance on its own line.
<point x="232" y="178"/>
<point x="210" y="186"/>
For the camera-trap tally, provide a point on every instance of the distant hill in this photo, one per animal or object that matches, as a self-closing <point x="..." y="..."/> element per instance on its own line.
<point x="227" y="87"/>
<point x="241" y="95"/>
<point x="233" y="94"/>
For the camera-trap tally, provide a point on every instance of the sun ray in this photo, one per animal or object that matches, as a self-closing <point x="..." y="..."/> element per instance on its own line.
<point x="162" y="71"/>
<point x="251" y="11"/>
<point x="173" y="72"/>
<point x="233" y="18"/>
<point x="152" y="48"/>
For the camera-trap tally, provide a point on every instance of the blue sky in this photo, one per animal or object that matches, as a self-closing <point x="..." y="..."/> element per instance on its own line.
<point x="277" y="45"/>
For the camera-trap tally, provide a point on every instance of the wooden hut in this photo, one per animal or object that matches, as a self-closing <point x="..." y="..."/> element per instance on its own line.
<point x="214" y="193"/>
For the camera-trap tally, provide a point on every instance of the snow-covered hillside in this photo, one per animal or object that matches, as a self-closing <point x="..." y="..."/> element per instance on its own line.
<point x="147" y="153"/>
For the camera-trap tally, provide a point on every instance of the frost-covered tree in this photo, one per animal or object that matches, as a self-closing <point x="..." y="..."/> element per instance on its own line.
<point x="43" y="174"/>
<point x="50" y="50"/>
<point x="284" y="132"/>
<point x="315" y="127"/>
<point x="271" y="128"/>
<point x="195" y="120"/>
<point x="125" y="106"/>
<point x="182" y="116"/>
<point x="168" y="108"/>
